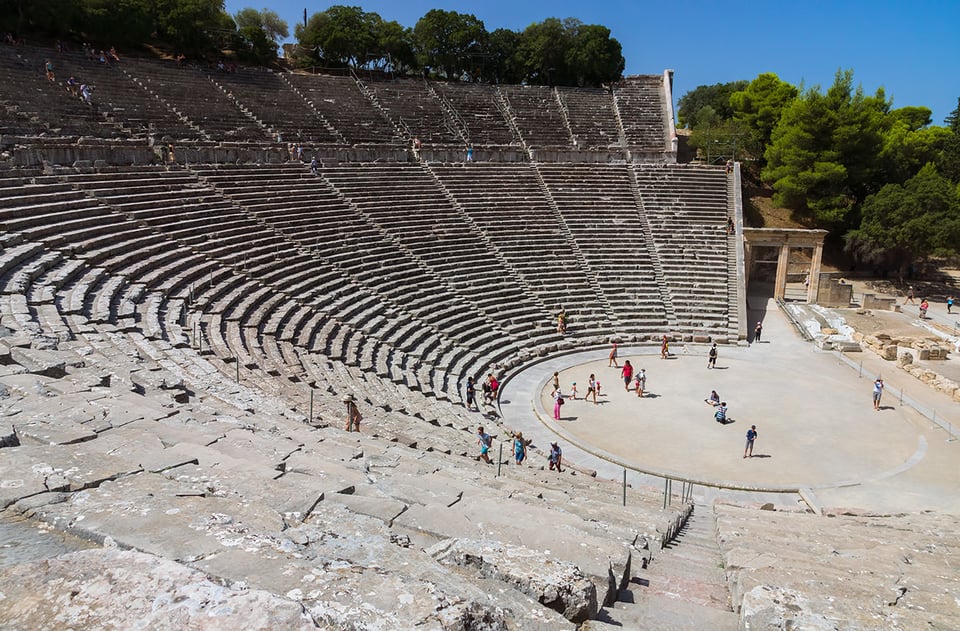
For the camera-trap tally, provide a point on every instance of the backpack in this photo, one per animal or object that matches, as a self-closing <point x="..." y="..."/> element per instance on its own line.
<point x="560" y="401"/>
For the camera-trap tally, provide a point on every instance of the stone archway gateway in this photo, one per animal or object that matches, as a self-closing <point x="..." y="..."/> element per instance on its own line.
<point x="786" y="239"/>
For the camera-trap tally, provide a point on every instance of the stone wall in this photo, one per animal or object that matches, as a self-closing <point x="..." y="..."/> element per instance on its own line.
<point x="834" y="292"/>
<point x="905" y="351"/>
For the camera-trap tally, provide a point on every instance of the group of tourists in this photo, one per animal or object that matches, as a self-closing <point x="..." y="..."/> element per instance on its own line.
<point x="520" y="446"/>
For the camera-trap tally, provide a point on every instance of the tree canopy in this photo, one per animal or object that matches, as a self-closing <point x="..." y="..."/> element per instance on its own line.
<point x="884" y="179"/>
<point x="913" y="221"/>
<point x="457" y="46"/>
<point x="194" y="27"/>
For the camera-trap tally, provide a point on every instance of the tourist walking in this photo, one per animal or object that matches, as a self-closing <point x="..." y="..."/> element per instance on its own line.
<point x="557" y="402"/>
<point x="573" y="390"/>
<point x="484" y="440"/>
<point x="877" y="393"/>
<point x="556" y="381"/>
<point x="949" y="304"/>
<point x="664" y="347"/>
<point x="353" y="414"/>
<point x="519" y="448"/>
<point x="612" y="358"/>
<point x="562" y="321"/>
<point x="556" y="457"/>
<point x="924" y="305"/>
<point x="591" y="389"/>
<point x="751" y="437"/>
<point x="712" y="357"/>
<point x="641" y="381"/>
<point x="471" y="394"/>
<point x="757" y="331"/>
<point x="910" y="295"/>
<point x="627" y="373"/>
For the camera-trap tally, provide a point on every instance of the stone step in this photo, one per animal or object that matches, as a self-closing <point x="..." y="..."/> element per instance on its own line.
<point x="664" y="613"/>
<point x="683" y="587"/>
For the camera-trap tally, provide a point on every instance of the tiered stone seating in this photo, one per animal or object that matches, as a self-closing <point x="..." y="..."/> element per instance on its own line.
<point x="190" y="92"/>
<point x="37" y="104"/>
<point x="393" y="288"/>
<point x="406" y="202"/>
<point x="598" y="205"/>
<point x="273" y="102"/>
<point x="849" y="571"/>
<point x="537" y="115"/>
<point x="124" y="100"/>
<point x="687" y="210"/>
<point x="411" y="104"/>
<point x="640" y="103"/>
<point x="480" y="111"/>
<point x="593" y="120"/>
<point x="351" y="113"/>
<point x="508" y="204"/>
<point x="206" y="475"/>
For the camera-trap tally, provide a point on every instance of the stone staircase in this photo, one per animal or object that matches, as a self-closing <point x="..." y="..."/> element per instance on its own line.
<point x="683" y="588"/>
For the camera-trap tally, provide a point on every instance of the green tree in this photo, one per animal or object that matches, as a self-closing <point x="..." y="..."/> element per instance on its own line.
<point x="395" y="47"/>
<point x="708" y="103"/>
<point x="757" y="109"/>
<point x="339" y="36"/>
<point x="190" y="25"/>
<point x="909" y="142"/>
<point x="500" y="57"/>
<point x="450" y="42"/>
<point x="594" y="58"/>
<point x="908" y="223"/>
<point x="542" y="53"/>
<point x="824" y="153"/>
<point x="950" y="157"/>
<point x="259" y="33"/>
<point x="117" y="22"/>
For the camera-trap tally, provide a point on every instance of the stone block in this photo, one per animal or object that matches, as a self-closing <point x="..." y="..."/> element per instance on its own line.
<point x="109" y="588"/>
<point x="554" y="584"/>
<point x="48" y="363"/>
<point x="29" y="470"/>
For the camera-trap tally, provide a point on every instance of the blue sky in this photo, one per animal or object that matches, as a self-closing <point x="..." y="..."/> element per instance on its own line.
<point x="911" y="49"/>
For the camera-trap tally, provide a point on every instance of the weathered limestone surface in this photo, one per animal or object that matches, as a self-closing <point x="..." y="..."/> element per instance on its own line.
<point x="110" y="589"/>
<point x="31" y="469"/>
<point x="555" y="584"/>
<point x="113" y="438"/>
<point x="45" y="362"/>
<point x="796" y="570"/>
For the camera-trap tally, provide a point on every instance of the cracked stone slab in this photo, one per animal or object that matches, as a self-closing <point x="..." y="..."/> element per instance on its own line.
<point x="108" y="588"/>
<point x="555" y="584"/>
<point x="139" y="448"/>
<point x="293" y="496"/>
<point x="257" y="447"/>
<point x="28" y="384"/>
<point x="29" y="469"/>
<point x="52" y="431"/>
<point x="154" y="514"/>
<point x="46" y="362"/>
<point x="348" y="572"/>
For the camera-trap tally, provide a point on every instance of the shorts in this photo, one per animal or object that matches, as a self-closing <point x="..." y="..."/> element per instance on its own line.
<point x="627" y="380"/>
<point x="876" y="396"/>
<point x="484" y="450"/>
<point x="749" y="443"/>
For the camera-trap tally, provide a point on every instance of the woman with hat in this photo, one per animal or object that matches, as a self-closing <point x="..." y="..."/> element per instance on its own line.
<point x="353" y="413"/>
